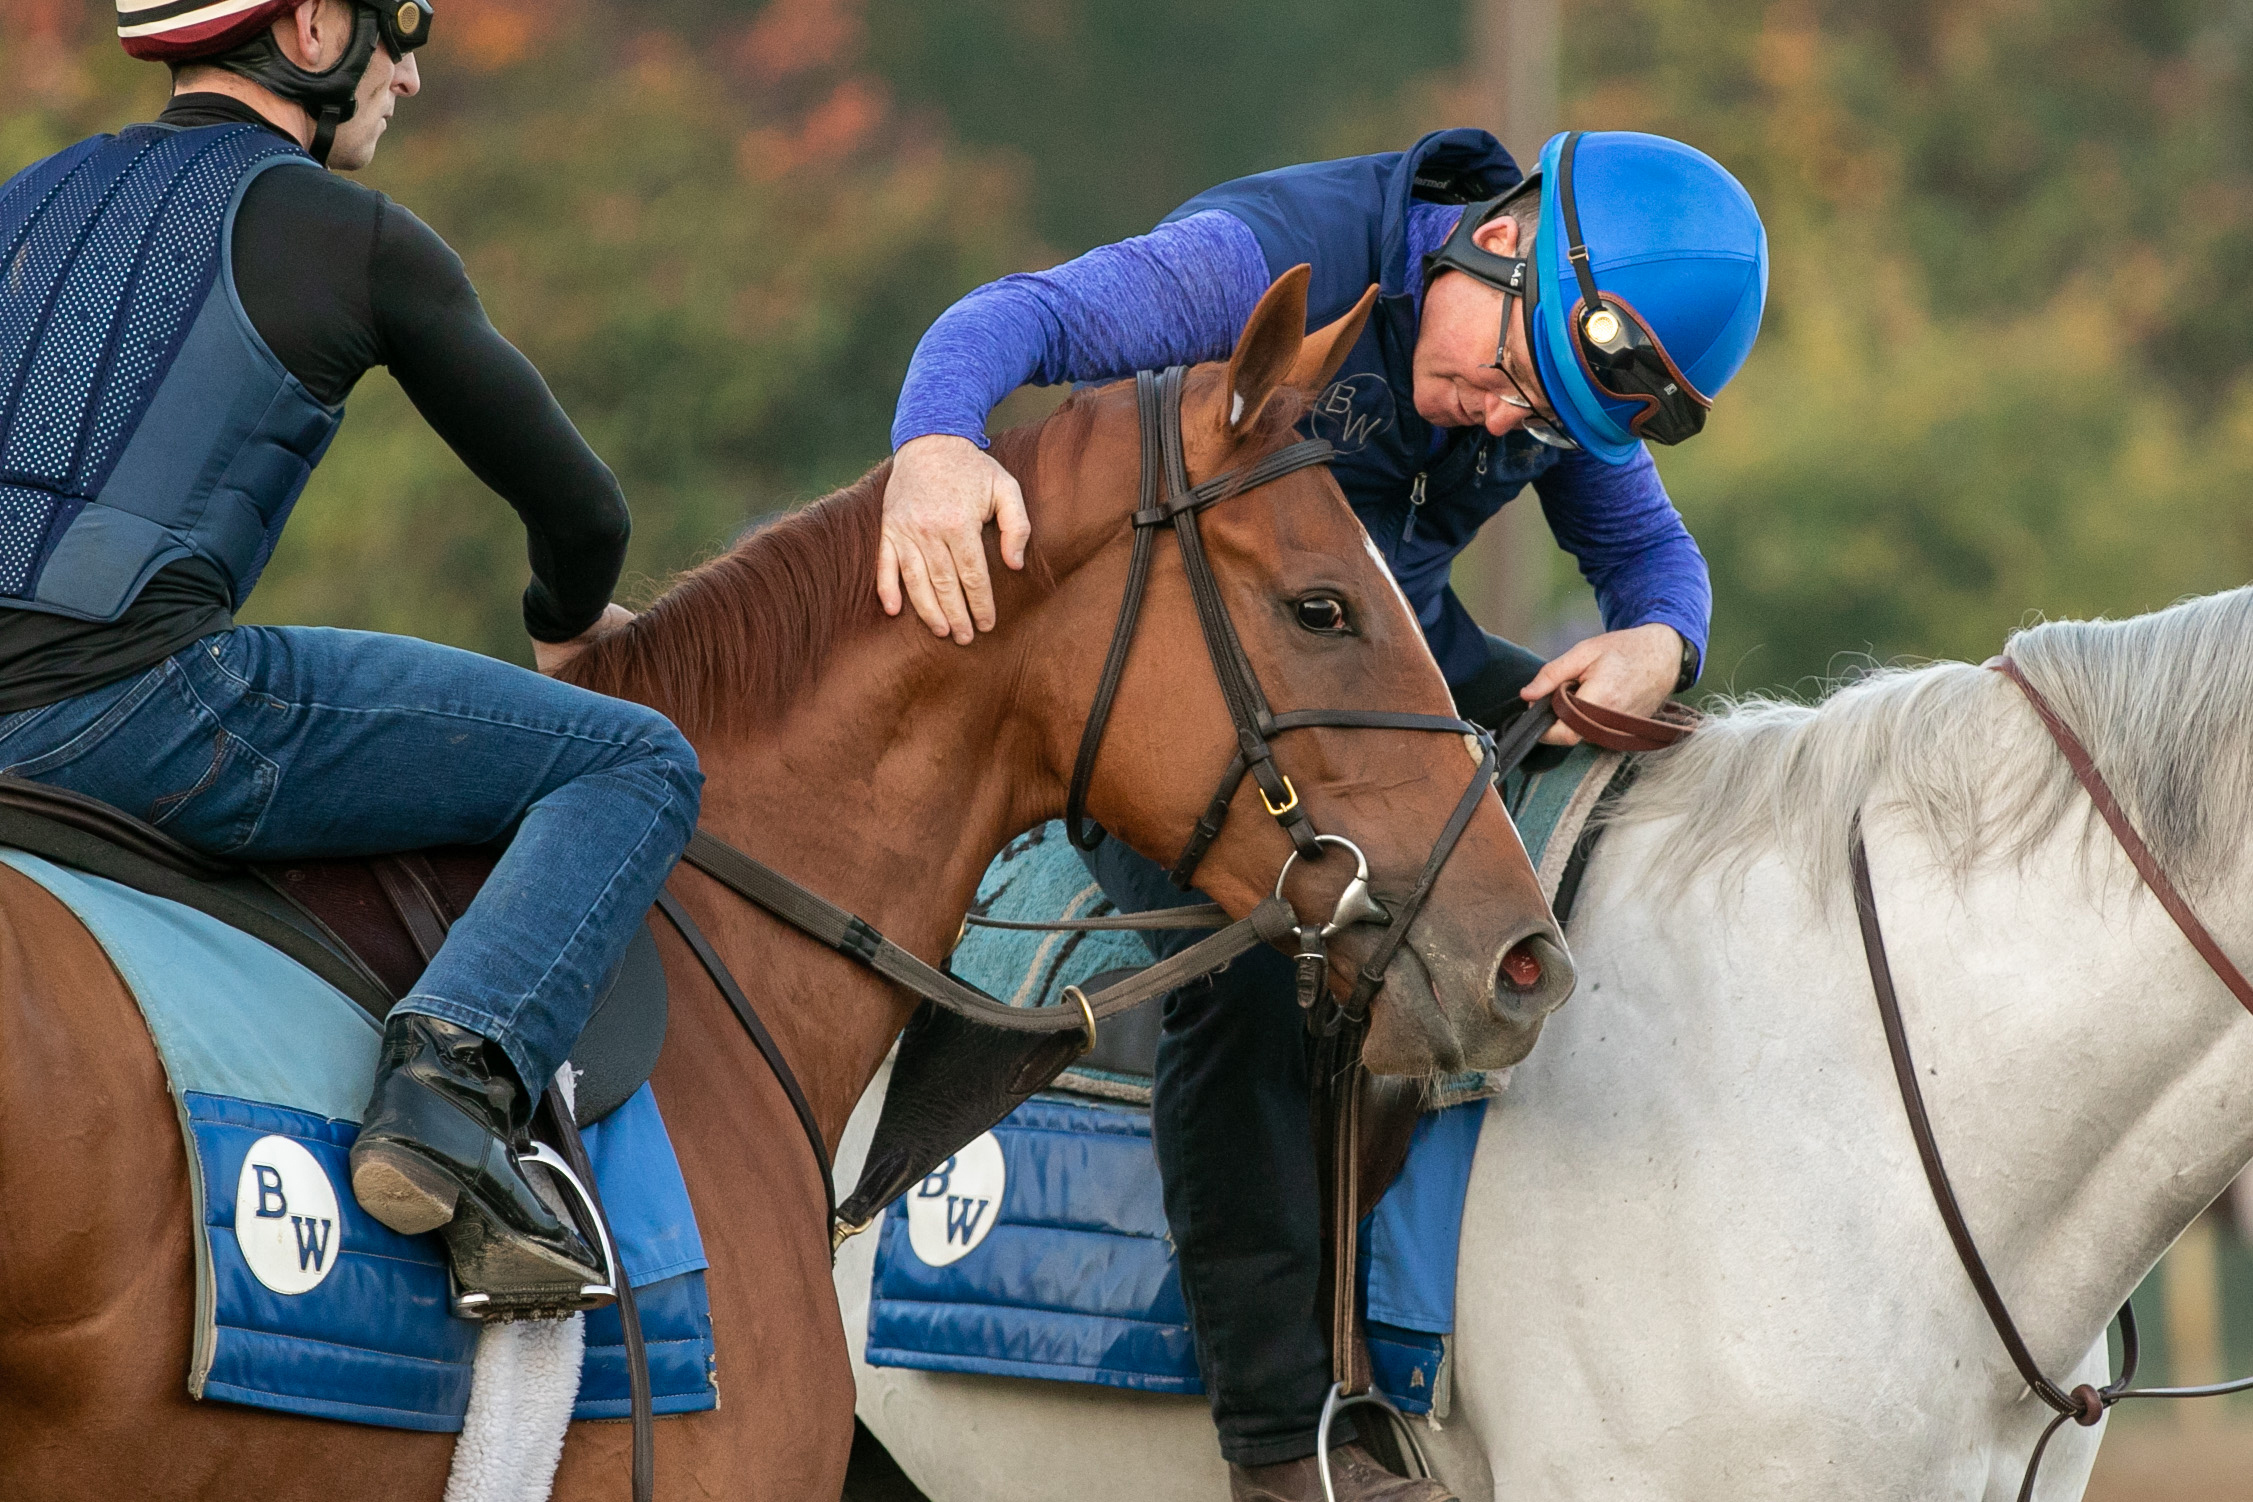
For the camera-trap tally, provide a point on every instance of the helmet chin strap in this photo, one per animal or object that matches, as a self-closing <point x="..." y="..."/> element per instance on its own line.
<point x="330" y="96"/>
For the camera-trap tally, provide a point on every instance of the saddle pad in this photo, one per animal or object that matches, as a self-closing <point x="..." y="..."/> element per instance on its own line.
<point x="305" y="1304"/>
<point x="1040" y="1250"/>
<point x="1039" y="876"/>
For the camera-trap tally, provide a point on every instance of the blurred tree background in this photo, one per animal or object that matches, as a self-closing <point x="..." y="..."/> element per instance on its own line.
<point x="2005" y="368"/>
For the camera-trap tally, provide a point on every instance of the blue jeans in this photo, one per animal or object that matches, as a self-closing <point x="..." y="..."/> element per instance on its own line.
<point x="283" y="743"/>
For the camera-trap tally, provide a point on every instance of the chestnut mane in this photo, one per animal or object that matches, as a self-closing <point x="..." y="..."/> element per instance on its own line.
<point x="732" y="641"/>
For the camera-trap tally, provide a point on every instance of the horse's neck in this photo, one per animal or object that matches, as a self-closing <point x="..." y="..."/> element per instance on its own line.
<point x="885" y="788"/>
<point x="2087" y="1078"/>
<point x="2087" y="1074"/>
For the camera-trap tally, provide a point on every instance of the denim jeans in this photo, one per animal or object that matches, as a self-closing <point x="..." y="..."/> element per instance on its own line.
<point x="282" y="743"/>
<point x="1231" y="1120"/>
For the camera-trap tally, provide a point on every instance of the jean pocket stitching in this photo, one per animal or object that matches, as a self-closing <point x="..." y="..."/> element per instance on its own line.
<point x="214" y="650"/>
<point x="109" y="722"/>
<point x="264" y="776"/>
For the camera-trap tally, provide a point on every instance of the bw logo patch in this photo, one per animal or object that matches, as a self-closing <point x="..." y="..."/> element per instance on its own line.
<point x="1351" y="412"/>
<point x="954" y="1207"/>
<point x="286" y="1220"/>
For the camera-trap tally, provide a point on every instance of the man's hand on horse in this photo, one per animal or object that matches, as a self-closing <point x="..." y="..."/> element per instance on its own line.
<point x="551" y="656"/>
<point x="942" y="492"/>
<point x="1632" y="670"/>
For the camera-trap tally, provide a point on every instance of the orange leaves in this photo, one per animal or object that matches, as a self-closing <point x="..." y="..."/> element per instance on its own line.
<point x="830" y="132"/>
<point x="489" y="35"/>
<point x="796" y="36"/>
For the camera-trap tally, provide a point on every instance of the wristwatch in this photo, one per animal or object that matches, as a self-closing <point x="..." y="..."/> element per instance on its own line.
<point x="1690" y="665"/>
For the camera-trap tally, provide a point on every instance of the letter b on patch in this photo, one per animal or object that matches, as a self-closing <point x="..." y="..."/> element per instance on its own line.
<point x="952" y="1211"/>
<point x="286" y="1219"/>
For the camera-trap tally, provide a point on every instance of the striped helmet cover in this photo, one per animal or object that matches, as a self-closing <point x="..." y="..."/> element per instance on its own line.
<point x="171" y="31"/>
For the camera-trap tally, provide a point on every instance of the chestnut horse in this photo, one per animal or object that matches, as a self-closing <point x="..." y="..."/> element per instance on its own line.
<point x="884" y="768"/>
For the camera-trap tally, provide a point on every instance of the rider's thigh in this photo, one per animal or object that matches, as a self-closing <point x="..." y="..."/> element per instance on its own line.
<point x="155" y="746"/>
<point x="388" y="742"/>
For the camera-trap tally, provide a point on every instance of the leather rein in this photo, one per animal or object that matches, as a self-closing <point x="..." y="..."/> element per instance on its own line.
<point x="1167" y="497"/>
<point x="2085" y="1404"/>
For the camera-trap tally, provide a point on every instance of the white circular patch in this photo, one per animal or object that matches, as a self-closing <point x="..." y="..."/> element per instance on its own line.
<point x="951" y="1211"/>
<point x="286" y="1221"/>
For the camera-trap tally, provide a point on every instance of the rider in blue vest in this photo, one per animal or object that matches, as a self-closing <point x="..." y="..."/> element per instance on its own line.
<point x="185" y="308"/>
<point x="1531" y="331"/>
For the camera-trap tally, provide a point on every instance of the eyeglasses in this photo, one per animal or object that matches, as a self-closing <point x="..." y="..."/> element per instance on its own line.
<point x="404" y="25"/>
<point x="1514" y="278"/>
<point x="1541" y="425"/>
<point x="1623" y="358"/>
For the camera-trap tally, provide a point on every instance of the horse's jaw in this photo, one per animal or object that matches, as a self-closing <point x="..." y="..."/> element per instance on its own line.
<point x="1441" y="1014"/>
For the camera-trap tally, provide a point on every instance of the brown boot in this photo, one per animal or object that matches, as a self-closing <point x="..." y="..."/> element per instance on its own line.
<point x="1354" y="1475"/>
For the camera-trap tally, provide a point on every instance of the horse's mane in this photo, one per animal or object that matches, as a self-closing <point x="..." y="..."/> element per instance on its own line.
<point x="732" y="641"/>
<point x="2160" y="700"/>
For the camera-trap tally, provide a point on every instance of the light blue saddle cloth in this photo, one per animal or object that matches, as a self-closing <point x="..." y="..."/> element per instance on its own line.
<point x="304" y="1303"/>
<point x="1041" y="1250"/>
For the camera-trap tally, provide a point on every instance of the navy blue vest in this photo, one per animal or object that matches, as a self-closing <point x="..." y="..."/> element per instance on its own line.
<point x="1348" y="219"/>
<point x="142" y="419"/>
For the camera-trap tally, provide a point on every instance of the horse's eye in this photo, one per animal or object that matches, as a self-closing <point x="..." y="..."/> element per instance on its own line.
<point x="1322" y="613"/>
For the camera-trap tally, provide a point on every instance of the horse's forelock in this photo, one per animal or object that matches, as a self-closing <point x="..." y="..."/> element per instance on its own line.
<point x="2159" y="700"/>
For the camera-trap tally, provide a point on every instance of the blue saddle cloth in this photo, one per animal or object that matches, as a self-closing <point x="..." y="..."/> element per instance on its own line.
<point x="1041" y="1249"/>
<point x="304" y="1303"/>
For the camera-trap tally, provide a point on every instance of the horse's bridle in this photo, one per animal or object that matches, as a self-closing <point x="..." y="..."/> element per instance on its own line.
<point x="1167" y="496"/>
<point x="2085" y="1404"/>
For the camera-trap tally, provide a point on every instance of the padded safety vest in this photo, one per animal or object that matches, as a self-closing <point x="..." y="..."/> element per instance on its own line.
<point x="1348" y="220"/>
<point x="142" y="418"/>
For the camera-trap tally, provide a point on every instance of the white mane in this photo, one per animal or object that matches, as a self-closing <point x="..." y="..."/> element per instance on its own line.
<point x="2164" y="702"/>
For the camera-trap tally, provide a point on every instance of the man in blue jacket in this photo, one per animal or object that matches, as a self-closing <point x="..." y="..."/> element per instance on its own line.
<point x="1601" y="302"/>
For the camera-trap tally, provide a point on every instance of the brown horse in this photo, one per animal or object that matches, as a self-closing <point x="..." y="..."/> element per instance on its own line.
<point x="883" y="767"/>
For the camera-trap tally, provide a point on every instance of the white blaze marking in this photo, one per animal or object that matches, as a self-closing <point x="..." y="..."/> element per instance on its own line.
<point x="1369" y="545"/>
<point x="286" y="1220"/>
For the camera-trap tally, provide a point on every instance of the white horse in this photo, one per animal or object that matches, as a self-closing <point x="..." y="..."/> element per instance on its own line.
<point x="1699" y="1260"/>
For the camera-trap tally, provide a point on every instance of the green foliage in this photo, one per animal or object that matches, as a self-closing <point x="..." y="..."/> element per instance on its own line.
<point x="2004" y="370"/>
<point x="721" y="267"/>
<point x="1126" y="107"/>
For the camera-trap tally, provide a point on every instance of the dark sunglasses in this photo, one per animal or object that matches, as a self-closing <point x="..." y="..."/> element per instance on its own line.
<point x="404" y="25"/>
<point x="1622" y="357"/>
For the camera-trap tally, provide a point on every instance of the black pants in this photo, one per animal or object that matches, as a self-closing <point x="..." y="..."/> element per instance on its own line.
<point x="1230" y="1116"/>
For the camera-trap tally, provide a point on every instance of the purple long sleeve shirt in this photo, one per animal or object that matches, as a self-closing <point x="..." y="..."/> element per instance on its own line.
<point x="1180" y="295"/>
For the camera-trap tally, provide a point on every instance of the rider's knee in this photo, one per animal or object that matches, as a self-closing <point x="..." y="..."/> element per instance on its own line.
<point x="662" y="753"/>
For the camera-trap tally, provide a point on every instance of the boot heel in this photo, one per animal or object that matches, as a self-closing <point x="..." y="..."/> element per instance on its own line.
<point x="402" y="1191"/>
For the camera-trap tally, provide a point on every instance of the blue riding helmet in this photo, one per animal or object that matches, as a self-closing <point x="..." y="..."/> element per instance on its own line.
<point x="1676" y="250"/>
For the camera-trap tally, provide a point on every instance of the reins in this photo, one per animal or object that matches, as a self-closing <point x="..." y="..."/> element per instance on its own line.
<point x="1167" y="498"/>
<point x="2085" y="1404"/>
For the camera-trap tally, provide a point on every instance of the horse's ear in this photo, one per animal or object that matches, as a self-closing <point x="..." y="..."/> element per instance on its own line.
<point x="1265" y="351"/>
<point x="1327" y="347"/>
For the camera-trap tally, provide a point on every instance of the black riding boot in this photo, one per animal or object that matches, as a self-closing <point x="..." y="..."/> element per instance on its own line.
<point x="1354" y="1477"/>
<point x="436" y="1151"/>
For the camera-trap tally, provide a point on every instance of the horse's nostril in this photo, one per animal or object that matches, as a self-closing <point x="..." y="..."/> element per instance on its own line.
<point x="1521" y="967"/>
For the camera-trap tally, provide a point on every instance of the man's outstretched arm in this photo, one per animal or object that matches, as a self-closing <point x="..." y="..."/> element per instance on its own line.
<point x="1172" y="297"/>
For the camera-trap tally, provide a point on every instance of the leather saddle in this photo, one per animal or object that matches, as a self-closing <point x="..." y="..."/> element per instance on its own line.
<point x="368" y="926"/>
